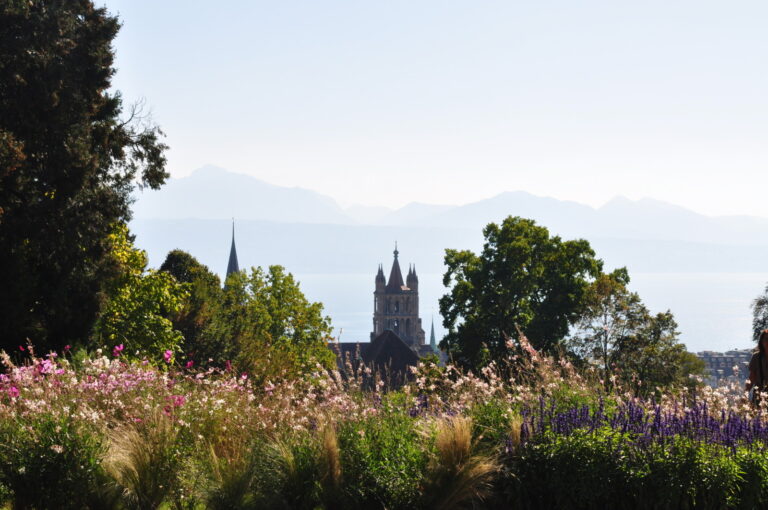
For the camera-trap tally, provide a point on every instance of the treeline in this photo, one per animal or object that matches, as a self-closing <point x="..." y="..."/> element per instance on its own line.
<point x="70" y="156"/>
<point x="558" y="294"/>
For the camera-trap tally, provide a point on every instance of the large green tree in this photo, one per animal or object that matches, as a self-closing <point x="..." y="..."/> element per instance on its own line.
<point x="266" y="327"/>
<point x="523" y="278"/>
<point x="619" y="335"/>
<point x="69" y="159"/>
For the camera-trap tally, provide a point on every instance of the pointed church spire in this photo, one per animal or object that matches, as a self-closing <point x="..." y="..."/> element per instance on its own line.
<point x="432" y="341"/>
<point x="395" y="281"/>
<point x="233" y="266"/>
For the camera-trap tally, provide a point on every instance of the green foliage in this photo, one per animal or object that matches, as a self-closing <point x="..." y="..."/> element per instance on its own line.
<point x="522" y="278"/>
<point x="198" y="309"/>
<point x="383" y="461"/>
<point x="139" y="304"/>
<point x="48" y="462"/>
<point x="601" y="469"/>
<point x="68" y="163"/>
<point x="492" y="422"/>
<point x="267" y="327"/>
<point x="618" y="333"/>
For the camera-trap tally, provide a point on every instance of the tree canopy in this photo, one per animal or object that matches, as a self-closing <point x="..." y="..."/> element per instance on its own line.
<point x="69" y="159"/>
<point x="205" y="296"/>
<point x="135" y="318"/>
<point x="522" y="278"/>
<point x="260" y="322"/>
<point x="617" y="333"/>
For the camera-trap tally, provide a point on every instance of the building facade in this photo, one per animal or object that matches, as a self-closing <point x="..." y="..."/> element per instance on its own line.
<point x="396" y="305"/>
<point x="726" y="366"/>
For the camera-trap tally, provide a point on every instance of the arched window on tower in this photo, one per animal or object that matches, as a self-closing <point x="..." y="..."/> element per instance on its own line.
<point x="396" y="326"/>
<point x="397" y="306"/>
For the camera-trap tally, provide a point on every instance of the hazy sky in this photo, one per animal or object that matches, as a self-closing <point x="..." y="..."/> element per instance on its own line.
<point x="388" y="102"/>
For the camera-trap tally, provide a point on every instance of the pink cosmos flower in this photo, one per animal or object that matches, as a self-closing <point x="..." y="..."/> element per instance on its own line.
<point x="13" y="391"/>
<point x="190" y="364"/>
<point x="167" y="356"/>
<point x="117" y="350"/>
<point x="21" y="348"/>
<point x="67" y="348"/>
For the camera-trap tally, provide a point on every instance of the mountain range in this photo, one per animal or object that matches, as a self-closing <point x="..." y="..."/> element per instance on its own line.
<point x="214" y="193"/>
<point x="677" y="258"/>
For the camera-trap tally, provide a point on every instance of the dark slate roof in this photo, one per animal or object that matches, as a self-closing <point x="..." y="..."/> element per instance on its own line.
<point x="388" y="351"/>
<point x="233" y="266"/>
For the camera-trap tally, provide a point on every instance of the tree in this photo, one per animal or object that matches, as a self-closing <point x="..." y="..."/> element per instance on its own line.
<point x="68" y="162"/>
<point x="523" y="278"/>
<point x="760" y="314"/>
<point x="267" y="327"/>
<point x="629" y="344"/>
<point x="205" y="295"/>
<point x="135" y="317"/>
<point x="612" y="313"/>
<point x="654" y="358"/>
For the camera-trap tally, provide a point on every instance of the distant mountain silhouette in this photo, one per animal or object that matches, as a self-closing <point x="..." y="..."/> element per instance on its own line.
<point x="284" y="223"/>
<point x="214" y="193"/>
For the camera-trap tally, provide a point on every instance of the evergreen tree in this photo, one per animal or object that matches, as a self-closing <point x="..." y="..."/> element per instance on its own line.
<point x="69" y="160"/>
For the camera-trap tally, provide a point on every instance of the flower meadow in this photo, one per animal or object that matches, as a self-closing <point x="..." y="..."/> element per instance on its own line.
<point x="80" y="430"/>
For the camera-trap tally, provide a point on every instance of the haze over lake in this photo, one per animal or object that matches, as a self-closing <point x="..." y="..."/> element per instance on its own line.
<point x="707" y="270"/>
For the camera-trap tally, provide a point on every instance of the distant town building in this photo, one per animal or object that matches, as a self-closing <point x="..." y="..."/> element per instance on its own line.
<point x="725" y="366"/>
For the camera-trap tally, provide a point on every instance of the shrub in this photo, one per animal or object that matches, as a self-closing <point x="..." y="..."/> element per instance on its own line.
<point x="51" y="462"/>
<point x="383" y="461"/>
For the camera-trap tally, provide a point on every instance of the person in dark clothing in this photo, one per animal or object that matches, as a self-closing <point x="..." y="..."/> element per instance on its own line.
<point x="758" y="367"/>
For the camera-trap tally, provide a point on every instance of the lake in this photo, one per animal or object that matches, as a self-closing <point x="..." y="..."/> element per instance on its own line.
<point x="713" y="310"/>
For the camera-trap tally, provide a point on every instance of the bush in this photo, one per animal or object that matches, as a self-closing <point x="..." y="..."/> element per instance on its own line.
<point x="383" y="461"/>
<point x="51" y="462"/>
<point x="604" y="469"/>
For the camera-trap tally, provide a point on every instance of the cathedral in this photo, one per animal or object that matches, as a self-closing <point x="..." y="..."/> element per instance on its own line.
<point x="397" y="340"/>
<point x="396" y="307"/>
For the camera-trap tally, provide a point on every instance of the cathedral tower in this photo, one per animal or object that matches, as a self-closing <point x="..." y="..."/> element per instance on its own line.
<point x="396" y="305"/>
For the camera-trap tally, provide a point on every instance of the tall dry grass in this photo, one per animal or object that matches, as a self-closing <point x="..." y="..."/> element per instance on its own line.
<point x="330" y="464"/>
<point x="142" y="461"/>
<point x="457" y="477"/>
<point x="231" y="471"/>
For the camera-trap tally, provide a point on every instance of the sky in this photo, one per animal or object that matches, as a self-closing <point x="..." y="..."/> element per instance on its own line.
<point x="442" y="101"/>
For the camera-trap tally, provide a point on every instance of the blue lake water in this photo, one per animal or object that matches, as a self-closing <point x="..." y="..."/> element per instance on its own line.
<point x="712" y="309"/>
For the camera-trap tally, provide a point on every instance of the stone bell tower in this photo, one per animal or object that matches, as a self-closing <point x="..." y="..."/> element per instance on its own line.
<point x="396" y="305"/>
